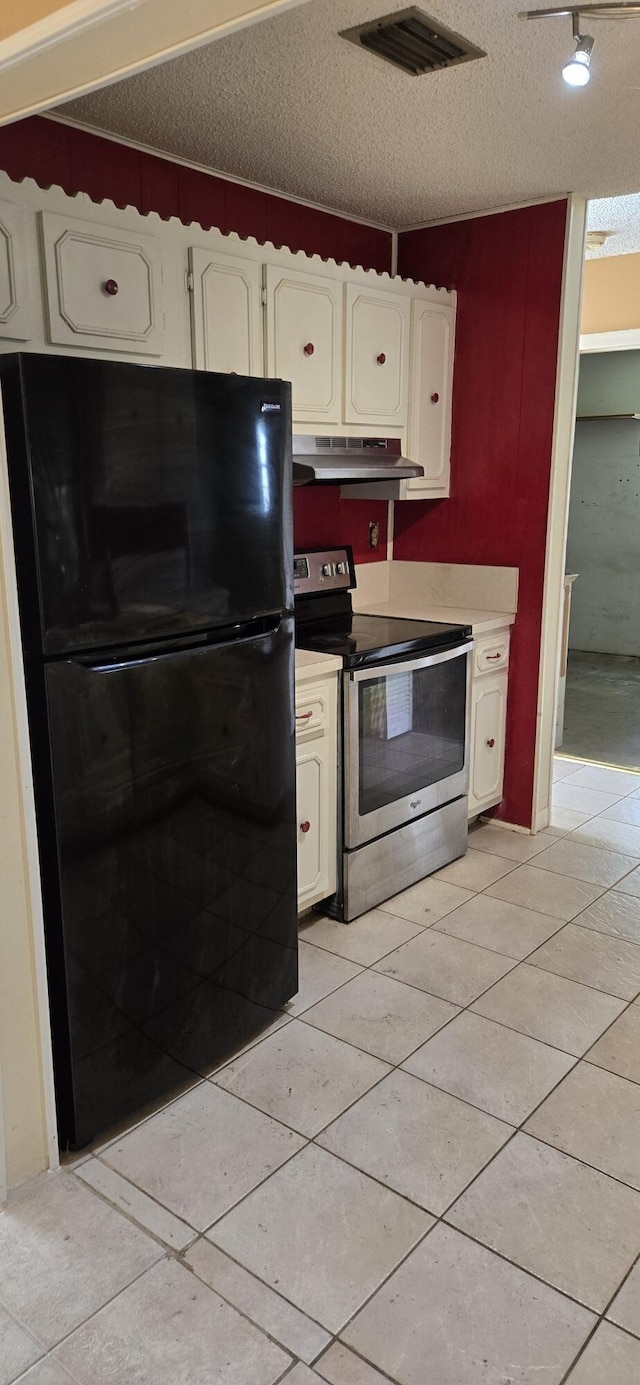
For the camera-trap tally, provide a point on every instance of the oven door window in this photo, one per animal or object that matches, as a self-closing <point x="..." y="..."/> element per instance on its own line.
<point x="411" y="729"/>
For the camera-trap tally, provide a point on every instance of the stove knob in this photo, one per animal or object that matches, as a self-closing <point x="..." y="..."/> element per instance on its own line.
<point x="327" y="569"/>
<point x="341" y="569"/>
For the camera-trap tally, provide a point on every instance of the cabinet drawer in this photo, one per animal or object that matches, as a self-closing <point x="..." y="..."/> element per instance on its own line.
<point x="312" y="710"/>
<point x="491" y="654"/>
<point x="103" y="286"/>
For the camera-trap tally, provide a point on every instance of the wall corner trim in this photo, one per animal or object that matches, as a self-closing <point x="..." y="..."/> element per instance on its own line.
<point x="558" y="514"/>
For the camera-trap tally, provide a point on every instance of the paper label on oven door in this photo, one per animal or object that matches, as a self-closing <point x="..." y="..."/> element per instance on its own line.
<point x="399" y="704"/>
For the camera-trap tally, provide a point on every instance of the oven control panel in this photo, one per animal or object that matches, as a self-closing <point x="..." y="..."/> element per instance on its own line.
<point x="323" y="570"/>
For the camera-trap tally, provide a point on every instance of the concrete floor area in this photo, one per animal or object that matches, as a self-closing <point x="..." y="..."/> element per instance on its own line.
<point x="602" y="709"/>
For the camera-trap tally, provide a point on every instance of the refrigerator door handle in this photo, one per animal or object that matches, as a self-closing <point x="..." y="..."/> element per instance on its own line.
<point x="252" y="637"/>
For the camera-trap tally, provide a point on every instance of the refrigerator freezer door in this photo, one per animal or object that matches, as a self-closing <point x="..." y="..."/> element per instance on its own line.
<point x="174" y="879"/>
<point x="147" y="502"/>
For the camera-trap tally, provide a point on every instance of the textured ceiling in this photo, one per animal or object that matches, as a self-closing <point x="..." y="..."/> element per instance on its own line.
<point x="290" y="105"/>
<point x="621" y="215"/>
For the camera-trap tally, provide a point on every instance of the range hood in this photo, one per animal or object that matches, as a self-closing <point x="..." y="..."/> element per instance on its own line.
<point x="341" y="461"/>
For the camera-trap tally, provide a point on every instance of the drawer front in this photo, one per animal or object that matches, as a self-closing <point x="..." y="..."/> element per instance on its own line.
<point x="312" y="710"/>
<point x="491" y="654"/>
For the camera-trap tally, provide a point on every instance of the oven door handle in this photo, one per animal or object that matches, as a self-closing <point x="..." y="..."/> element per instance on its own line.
<point x="409" y="665"/>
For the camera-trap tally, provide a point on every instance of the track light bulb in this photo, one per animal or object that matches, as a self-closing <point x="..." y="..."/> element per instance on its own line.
<point x="576" y="72"/>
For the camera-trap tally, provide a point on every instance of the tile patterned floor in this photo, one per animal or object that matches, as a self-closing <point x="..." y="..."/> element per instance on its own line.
<point x="426" y="1172"/>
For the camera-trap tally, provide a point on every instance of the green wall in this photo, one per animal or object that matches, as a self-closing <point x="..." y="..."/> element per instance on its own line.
<point x="609" y="383"/>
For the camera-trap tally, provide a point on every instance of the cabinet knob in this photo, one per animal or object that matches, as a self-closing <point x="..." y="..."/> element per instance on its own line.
<point x="304" y="716"/>
<point x="309" y="349"/>
<point x="381" y="358"/>
<point x="304" y="826"/>
<point x="111" y="287"/>
<point x="491" y="743"/>
<point x="435" y="398"/>
<point x="494" y="656"/>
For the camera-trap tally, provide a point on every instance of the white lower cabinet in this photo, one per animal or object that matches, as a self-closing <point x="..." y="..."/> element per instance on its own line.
<point x="488" y="723"/>
<point x="316" y="788"/>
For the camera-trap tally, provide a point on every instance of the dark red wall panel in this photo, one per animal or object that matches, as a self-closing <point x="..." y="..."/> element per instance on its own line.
<point x="321" y="517"/>
<point x="78" y="161"/>
<point x="507" y="269"/>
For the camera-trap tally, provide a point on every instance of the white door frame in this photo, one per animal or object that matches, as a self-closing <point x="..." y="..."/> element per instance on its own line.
<point x="8" y="581"/>
<point x="559" y="492"/>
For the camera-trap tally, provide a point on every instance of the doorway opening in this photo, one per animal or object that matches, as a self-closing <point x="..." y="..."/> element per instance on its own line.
<point x="598" y="710"/>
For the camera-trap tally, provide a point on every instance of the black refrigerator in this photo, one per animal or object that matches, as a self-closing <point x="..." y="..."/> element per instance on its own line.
<point x="152" y="519"/>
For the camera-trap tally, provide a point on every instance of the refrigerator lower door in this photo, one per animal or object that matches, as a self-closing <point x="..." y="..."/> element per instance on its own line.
<point x="170" y="900"/>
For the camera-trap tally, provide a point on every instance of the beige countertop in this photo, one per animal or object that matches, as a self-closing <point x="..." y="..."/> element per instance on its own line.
<point x="481" y="622"/>
<point x="310" y="664"/>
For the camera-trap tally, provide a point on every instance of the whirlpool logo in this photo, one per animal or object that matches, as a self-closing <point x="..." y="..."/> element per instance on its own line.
<point x="269" y="406"/>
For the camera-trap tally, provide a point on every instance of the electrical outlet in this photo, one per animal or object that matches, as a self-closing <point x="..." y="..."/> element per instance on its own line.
<point x="374" y="534"/>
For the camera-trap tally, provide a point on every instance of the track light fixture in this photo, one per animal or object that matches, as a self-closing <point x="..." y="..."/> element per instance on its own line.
<point x="577" y="71"/>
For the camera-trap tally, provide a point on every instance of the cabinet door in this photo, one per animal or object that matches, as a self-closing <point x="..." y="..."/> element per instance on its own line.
<point x="226" y="313"/>
<point x="488" y="720"/>
<point x="304" y="340"/>
<point x="103" y="286"/>
<point x="430" y="386"/>
<point x="15" y="320"/>
<point x="376" y="357"/>
<point x="312" y="771"/>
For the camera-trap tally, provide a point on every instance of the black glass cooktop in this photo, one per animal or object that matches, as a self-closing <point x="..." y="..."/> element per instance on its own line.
<point x="361" y="639"/>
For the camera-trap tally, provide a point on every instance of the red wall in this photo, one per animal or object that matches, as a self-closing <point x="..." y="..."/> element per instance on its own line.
<point x="507" y="269"/>
<point x="76" y="161"/>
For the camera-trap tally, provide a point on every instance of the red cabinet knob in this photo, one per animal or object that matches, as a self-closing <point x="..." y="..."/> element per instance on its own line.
<point x="309" y="349"/>
<point x="491" y="743"/>
<point x="435" y="398"/>
<point x="304" y="826"/>
<point x="381" y="358"/>
<point x="111" y="287"/>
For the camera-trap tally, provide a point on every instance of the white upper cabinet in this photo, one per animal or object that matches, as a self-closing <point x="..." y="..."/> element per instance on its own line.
<point x="226" y="312"/>
<point x="377" y="351"/>
<point x="366" y="354"/>
<point x="14" y="297"/>
<point x="430" y="388"/>
<point x="103" y="286"/>
<point x="304" y="340"/>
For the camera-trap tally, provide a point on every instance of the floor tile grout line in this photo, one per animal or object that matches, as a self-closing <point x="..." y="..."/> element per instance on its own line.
<point x="29" y="1330"/>
<point x="129" y="1215"/>
<point x="52" y="1350"/>
<point x="420" y="927"/>
<point x="602" y="1317"/>
<point x="252" y="1275"/>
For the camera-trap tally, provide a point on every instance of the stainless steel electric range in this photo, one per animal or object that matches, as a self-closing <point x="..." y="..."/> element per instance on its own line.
<point x="404" y="735"/>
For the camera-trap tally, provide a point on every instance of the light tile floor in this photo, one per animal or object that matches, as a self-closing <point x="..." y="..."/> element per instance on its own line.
<point x="426" y="1172"/>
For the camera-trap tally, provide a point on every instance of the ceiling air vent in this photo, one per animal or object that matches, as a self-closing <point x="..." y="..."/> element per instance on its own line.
<point x="413" y="41"/>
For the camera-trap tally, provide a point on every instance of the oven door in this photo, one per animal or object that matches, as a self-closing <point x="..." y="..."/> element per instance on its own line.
<point x="406" y="741"/>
